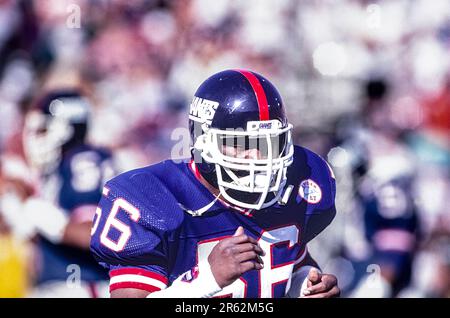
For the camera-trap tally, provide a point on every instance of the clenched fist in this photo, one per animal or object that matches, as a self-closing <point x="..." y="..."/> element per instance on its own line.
<point x="234" y="256"/>
<point x="321" y="285"/>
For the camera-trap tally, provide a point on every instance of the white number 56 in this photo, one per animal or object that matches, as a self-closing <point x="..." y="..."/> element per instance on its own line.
<point x="112" y="221"/>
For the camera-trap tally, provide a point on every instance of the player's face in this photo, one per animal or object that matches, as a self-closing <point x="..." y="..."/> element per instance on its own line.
<point x="241" y="152"/>
<point x="254" y="148"/>
<point x="250" y="163"/>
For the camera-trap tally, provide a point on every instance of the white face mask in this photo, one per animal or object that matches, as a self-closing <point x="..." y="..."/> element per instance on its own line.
<point x="259" y="180"/>
<point x="253" y="161"/>
<point x="43" y="139"/>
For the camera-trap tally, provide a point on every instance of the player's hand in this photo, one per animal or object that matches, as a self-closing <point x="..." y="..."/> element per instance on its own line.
<point x="234" y="256"/>
<point x="321" y="285"/>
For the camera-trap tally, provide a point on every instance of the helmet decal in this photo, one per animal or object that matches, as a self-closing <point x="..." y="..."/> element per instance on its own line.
<point x="202" y="110"/>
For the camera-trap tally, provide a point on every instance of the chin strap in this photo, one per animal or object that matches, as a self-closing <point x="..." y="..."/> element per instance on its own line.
<point x="200" y="211"/>
<point x="203" y="210"/>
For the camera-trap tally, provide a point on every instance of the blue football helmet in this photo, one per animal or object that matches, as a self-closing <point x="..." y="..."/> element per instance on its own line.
<point x="242" y="141"/>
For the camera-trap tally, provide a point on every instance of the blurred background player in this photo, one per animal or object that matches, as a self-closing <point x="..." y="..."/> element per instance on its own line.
<point x="70" y="175"/>
<point x="391" y="227"/>
<point x="383" y="172"/>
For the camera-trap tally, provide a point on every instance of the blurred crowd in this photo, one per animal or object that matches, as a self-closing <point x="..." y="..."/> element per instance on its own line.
<point x="366" y="85"/>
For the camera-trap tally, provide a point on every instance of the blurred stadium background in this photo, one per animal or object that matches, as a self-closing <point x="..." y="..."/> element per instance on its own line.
<point x="366" y="85"/>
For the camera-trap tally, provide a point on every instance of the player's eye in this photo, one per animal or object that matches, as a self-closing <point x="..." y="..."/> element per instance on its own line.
<point x="239" y="146"/>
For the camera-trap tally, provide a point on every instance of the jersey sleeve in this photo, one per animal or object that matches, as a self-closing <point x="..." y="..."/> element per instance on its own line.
<point x="131" y="238"/>
<point x="322" y="210"/>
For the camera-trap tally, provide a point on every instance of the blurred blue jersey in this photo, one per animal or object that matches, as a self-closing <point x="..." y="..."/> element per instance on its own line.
<point x="143" y="235"/>
<point x="392" y="227"/>
<point x="76" y="187"/>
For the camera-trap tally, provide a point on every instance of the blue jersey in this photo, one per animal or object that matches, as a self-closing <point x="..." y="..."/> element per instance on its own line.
<point x="75" y="187"/>
<point x="145" y="238"/>
<point x="390" y="209"/>
<point x="392" y="228"/>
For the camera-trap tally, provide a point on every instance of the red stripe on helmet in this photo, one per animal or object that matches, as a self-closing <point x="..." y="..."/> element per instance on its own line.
<point x="259" y="93"/>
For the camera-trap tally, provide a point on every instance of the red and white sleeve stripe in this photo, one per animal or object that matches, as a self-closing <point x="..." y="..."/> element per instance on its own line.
<point x="136" y="278"/>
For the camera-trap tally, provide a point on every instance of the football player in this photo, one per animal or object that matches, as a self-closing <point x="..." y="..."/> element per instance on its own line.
<point x="235" y="219"/>
<point x="391" y="224"/>
<point x="59" y="214"/>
